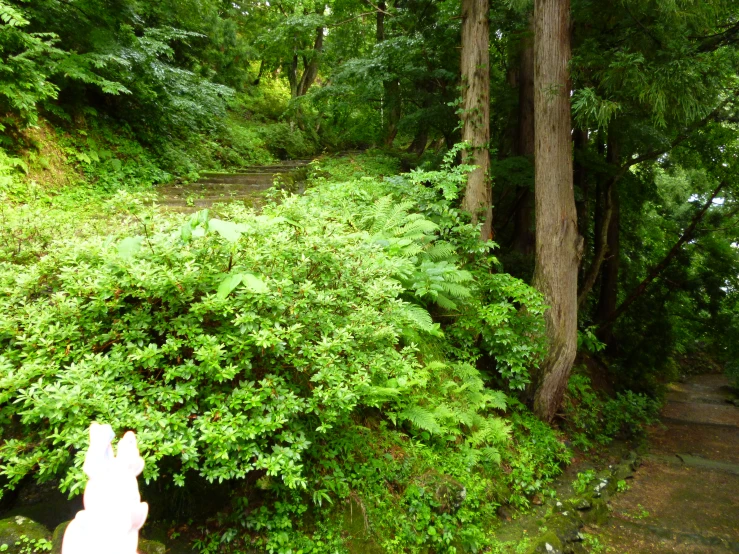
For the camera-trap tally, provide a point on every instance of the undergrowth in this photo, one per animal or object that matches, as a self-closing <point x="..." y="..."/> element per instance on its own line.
<point x="328" y="347"/>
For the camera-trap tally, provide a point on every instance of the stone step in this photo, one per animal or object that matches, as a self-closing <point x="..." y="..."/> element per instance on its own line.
<point x="664" y="539"/>
<point x="214" y="188"/>
<point x="200" y="203"/>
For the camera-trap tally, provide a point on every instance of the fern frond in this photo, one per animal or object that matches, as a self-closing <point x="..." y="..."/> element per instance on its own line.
<point x="491" y="454"/>
<point x="445" y="302"/>
<point x="421" y="418"/>
<point x="440" y="251"/>
<point x="497" y="399"/>
<point x="417" y="316"/>
<point x="455" y="290"/>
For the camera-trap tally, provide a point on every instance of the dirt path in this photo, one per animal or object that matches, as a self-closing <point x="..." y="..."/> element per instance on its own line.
<point x="685" y="497"/>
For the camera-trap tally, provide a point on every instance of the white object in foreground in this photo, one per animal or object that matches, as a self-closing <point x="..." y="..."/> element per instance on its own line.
<point x="113" y="512"/>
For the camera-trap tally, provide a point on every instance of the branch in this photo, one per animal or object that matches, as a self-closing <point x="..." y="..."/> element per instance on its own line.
<point x="377" y="8"/>
<point x="646" y="31"/>
<point x="682" y="137"/>
<point x="714" y="42"/>
<point x="660" y="267"/>
<point x="351" y="19"/>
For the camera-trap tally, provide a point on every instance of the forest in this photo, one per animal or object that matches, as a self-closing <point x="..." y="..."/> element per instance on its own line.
<point x="370" y="276"/>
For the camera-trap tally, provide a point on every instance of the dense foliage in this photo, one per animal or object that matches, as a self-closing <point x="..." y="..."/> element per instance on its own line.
<point x="263" y="343"/>
<point x="356" y="346"/>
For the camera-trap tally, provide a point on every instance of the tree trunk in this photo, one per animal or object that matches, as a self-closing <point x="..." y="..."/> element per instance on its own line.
<point x="580" y="141"/>
<point x="292" y="77"/>
<point x="609" y="272"/>
<point x="558" y="245"/>
<point x="524" y="240"/>
<point x="310" y="66"/>
<point x="476" y="110"/>
<point x="604" y="220"/>
<point x="657" y="270"/>
<point x="391" y="105"/>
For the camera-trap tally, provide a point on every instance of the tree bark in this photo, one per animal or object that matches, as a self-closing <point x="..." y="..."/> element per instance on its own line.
<point x="391" y="105"/>
<point x="558" y="244"/>
<point x="310" y="66"/>
<point x="476" y="110"/>
<point x="524" y="240"/>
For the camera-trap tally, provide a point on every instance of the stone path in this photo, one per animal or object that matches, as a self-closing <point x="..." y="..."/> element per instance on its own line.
<point x="685" y="497"/>
<point x="247" y="186"/>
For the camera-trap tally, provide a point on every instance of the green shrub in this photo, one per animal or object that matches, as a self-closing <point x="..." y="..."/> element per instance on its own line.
<point x="593" y="417"/>
<point x="325" y="345"/>
<point x="138" y="334"/>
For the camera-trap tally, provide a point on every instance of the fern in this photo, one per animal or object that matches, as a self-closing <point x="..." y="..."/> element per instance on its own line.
<point x="421" y="418"/>
<point x="418" y="317"/>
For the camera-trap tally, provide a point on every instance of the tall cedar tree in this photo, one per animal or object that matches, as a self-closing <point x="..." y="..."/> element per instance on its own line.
<point x="558" y="243"/>
<point x="476" y="114"/>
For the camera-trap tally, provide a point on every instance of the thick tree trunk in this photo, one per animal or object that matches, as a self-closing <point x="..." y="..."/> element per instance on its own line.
<point x="524" y="240"/>
<point x="558" y="245"/>
<point x="476" y="110"/>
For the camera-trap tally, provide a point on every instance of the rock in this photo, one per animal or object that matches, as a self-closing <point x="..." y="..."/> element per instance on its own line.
<point x="548" y="543"/>
<point x="145" y="547"/>
<point x="448" y="492"/>
<point x="505" y="513"/>
<point x="151" y="547"/>
<point x="566" y="526"/>
<point x="583" y="504"/>
<point x="18" y="531"/>
<point x="598" y="514"/>
<point x="58" y="537"/>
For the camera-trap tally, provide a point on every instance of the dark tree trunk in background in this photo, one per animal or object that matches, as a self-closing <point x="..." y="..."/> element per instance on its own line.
<point x="580" y="142"/>
<point x="476" y="110"/>
<point x="558" y="245"/>
<point x="299" y="86"/>
<point x="391" y="104"/>
<point x="311" y="65"/>
<point x="524" y="240"/>
<point x="604" y="221"/>
<point x="608" y="300"/>
<point x="421" y="139"/>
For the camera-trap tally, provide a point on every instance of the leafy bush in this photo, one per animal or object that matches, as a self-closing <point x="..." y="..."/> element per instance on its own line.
<point x="535" y="458"/>
<point x="317" y="346"/>
<point x="137" y="334"/>
<point x="591" y="417"/>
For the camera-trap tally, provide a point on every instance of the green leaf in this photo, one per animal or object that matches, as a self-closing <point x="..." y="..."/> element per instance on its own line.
<point x="228" y="285"/>
<point x="227" y="229"/>
<point x="186" y="232"/>
<point x="129" y="246"/>
<point x="254" y="283"/>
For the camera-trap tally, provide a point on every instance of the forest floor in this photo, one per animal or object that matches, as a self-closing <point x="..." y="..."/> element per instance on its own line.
<point x="685" y="496"/>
